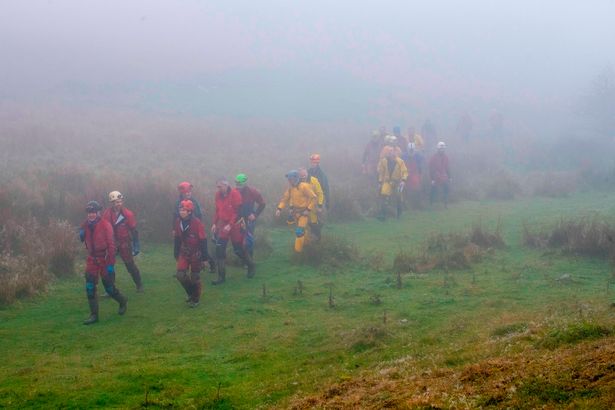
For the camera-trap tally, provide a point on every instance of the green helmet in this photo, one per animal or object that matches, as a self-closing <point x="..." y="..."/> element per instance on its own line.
<point x="241" y="179"/>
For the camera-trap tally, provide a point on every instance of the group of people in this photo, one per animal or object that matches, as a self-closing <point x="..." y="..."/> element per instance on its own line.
<point x="395" y="165"/>
<point x="114" y="231"/>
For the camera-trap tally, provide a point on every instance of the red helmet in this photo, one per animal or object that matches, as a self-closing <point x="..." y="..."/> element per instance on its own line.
<point x="187" y="205"/>
<point x="315" y="158"/>
<point x="184" y="187"/>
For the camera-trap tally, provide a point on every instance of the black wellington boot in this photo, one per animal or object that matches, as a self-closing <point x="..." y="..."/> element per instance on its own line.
<point x="123" y="301"/>
<point x="221" y="273"/>
<point x="93" y="312"/>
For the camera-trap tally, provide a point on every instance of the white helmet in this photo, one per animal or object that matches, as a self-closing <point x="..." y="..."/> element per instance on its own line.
<point x="411" y="146"/>
<point x="115" y="195"/>
<point x="441" y="145"/>
<point x="390" y="139"/>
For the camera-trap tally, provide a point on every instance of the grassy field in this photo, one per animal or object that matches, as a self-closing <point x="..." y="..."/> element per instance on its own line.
<point x="243" y="349"/>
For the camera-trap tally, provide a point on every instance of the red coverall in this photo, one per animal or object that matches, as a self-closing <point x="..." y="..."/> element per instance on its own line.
<point x="99" y="242"/>
<point x="190" y="239"/>
<point x="227" y="212"/>
<point x="124" y="224"/>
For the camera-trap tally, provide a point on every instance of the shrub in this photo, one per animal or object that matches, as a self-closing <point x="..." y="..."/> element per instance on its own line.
<point x="574" y="333"/>
<point x="590" y="236"/>
<point x="330" y="251"/>
<point x="32" y="254"/>
<point x="450" y="251"/>
<point x="20" y="278"/>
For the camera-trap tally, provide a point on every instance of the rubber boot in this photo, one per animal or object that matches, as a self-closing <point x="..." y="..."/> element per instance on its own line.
<point x="221" y="273"/>
<point x="136" y="275"/>
<point x="249" y="262"/>
<point x="212" y="265"/>
<point x="93" y="302"/>
<point x="316" y="229"/>
<point x="122" y="300"/>
<point x="196" y="294"/>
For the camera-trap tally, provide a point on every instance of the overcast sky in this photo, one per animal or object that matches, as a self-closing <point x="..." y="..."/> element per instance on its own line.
<point x="531" y="51"/>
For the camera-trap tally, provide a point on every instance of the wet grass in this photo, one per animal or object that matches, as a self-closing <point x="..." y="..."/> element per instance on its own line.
<point x="239" y="349"/>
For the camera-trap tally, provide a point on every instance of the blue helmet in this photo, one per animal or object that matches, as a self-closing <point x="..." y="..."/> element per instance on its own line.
<point x="293" y="176"/>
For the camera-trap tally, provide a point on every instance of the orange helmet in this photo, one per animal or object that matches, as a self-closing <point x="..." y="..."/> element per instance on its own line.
<point x="315" y="158"/>
<point x="184" y="187"/>
<point x="187" y="205"/>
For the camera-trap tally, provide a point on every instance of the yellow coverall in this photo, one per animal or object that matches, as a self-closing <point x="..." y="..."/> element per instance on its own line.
<point x="389" y="180"/>
<point x="301" y="200"/>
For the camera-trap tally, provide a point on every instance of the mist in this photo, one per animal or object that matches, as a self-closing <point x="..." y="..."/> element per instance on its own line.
<point x="387" y="62"/>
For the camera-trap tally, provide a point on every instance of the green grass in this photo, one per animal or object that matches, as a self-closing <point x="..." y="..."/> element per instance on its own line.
<point x="240" y="350"/>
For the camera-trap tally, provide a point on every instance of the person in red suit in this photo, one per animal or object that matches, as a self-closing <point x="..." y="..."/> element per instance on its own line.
<point x="97" y="234"/>
<point x="126" y="236"/>
<point x="227" y="225"/>
<point x="190" y="251"/>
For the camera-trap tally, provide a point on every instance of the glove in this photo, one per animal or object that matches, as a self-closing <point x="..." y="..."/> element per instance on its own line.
<point x="400" y="187"/>
<point x="110" y="269"/>
<point x="136" y="247"/>
<point x="82" y="234"/>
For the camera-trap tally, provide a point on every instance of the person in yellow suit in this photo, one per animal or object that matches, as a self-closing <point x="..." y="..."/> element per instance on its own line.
<point x="301" y="201"/>
<point x="320" y="200"/>
<point x="392" y="175"/>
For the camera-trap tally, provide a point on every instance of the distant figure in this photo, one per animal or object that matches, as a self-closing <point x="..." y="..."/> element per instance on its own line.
<point x="315" y="226"/>
<point x="390" y="141"/>
<point x="319" y="174"/>
<point x="392" y="175"/>
<point x="417" y="139"/>
<point x="126" y="236"/>
<point x="402" y="142"/>
<point x="371" y="155"/>
<point x="464" y="127"/>
<point x="440" y="175"/>
<point x="97" y="234"/>
<point x="414" y="163"/>
<point x="496" y="122"/>
<point x="428" y="131"/>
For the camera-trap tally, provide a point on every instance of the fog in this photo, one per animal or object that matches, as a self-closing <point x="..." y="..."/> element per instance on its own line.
<point x="388" y="61"/>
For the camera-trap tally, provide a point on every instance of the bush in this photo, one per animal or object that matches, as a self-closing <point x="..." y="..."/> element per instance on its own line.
<point x="20" y="278"/>
<point x="450" y="251"/>
<point x="32" y="254"/>
<point x="590" y="236"/>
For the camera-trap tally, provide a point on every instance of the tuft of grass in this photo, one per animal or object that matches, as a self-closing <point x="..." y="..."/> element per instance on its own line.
<point x="574" y="333"/>
<point x="507" y="330"/>
<point x="589" y="236"/>
<point x="330" y="251"/>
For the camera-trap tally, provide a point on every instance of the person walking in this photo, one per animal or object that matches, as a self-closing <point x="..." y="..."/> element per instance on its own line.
<point x="392" y="175"/>
<point x="97" y="234"/>
<point x="226" y="226"/>
<point x="125" y="233"/>
<point x="189" y="251"/>
<point x="252" y="205"/>
<point x="300" y="200"/>
<point x="440" y="175"/>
